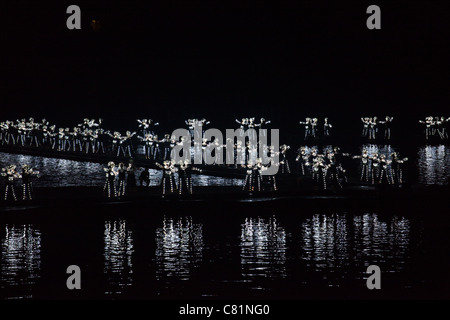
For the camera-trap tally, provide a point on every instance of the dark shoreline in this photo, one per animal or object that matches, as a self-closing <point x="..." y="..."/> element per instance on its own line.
<point x="88" y="200"/>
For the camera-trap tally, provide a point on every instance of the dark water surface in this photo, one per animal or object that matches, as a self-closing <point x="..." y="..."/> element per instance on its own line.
<point x="299" y="253"/>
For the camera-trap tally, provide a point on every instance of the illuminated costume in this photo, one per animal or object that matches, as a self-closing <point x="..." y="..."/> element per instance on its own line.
<point x="147" y="139"/>
<point x="253" y="181"/>
<point x="103" y="139"/>
<point x="21" y="132"/>
<point x="365" y="131"/>
<point x="397" y="167"/>
<point x="59" y="140"/>
<point x="191" y="125"/>
<point x="284" y="163"/>
<point x="155" y="148"/>
<point x="375" y="168"/>
<point x="243" y="124"/>
<point x="326" y="128"/>
<point x="143" y="125"/>
<point x="338" y="157"/>
<point x="203" y="123"/>
<point x="239" y="151"/>
<point x="11" y="175"/>
<point x="116" y="139"/>
<point x="35" y="134"/>
<point x="185" y="177"/>
<point x="13" y="132"/>
<point x="27" y="174"/>
<point x="308" y="127"/>
<point x="365" y="162"/>
<point x="251" y="125"/>
<point x="269" y="182"/>
<point x="172" y="144"/>
<point x="216" y="148"/>
<point x="93" y="140"/>
<point x="86" y="140"/>
<point x="262" y="125"/>
<point x="334" y="170"/>
<point x="229" y="154"/>
<point x="84" y="125"/>
<point x="196" y="127"/>
<point x="131" y="174"/>
<point x="428" y="126"/>
<point x="302" y="159"/>
<point x="165" y="143"/>
<point x="441" y="127"/>
<point x="204" y="146"/>
<point x="121" y="174"/>
<point x="49" y="136"/>
<point x="314" y="123"/>
<point x="126" y="144"/>
<point x="385" y="175"/>
<point x="146" y="126"/>
<point x="251" y="152"/>
<point x="5" y="135"/>
<point x="76" y="139"/>
<point x="320" y="168"/>
<point x="110" y="186"/>
<point x="373" y="128"/>
<point x="387" y="127"/>
<point x="66" y="142"/>
<point x="168" y="179"/>
<point x="151" y="125"/>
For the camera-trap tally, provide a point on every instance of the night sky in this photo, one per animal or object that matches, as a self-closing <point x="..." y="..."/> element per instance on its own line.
<point x="173" y="60"/>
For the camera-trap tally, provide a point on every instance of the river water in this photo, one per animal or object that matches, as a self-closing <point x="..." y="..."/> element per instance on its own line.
<point x="283" y="255"/>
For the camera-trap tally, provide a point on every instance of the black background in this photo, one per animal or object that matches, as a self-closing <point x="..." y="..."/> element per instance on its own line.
<point x="224" y="59"/>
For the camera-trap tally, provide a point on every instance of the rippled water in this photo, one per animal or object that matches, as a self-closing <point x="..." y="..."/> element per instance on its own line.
<point x="179" y="248"/>
<point x="336" y="242"/>
<point x="247" y="254"/>
<point x="434" y="165"/>
<point x="263" y="248"/>
<point x="20" y="260"/>
<point x="118" y="253"/>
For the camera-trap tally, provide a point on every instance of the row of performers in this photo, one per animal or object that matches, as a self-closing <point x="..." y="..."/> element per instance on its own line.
<point x="371" y="127"/>
<point x="85" y="139"/>
<point x="11" y="174"/>
<point x="170" y="182"/>
<point x="311" y="128"/>
<point x="89" y="137"/>
<point x="436" y="127"/>
<point x="327" y="167"/>
<point x="177" y="178"/>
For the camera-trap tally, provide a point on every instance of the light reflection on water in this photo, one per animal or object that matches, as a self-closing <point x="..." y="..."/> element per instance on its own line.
<point x="331" y="242"/>
<point x="263" y="248"/>
<point x="179" y="248"/>
<point x="118" y="254"/>
<point x="434" y="165"/>
<point x="325" y="241"/>
<point x="20" y="260"/>
<point x="337" y="247"/>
